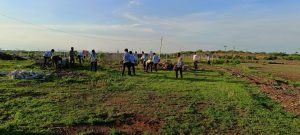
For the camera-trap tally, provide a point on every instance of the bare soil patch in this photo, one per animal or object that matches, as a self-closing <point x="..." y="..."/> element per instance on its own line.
<point x="150" y="104"/>
<point x="280" y="91"/>
<point x="134" y="124"/>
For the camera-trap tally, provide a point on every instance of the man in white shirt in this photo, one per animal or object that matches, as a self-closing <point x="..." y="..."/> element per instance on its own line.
<point x="156" y="60"/>
<point x="47" y="55"/>
<point x="144" y="60"/>
<point x="196" y="61"/>
<point x="93" y="57"/>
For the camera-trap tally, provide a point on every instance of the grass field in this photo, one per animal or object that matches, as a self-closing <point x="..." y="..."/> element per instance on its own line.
<point x="83" y="102"/>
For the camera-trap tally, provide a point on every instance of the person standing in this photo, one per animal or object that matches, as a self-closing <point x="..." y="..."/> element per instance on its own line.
<point x="136" y="58"/>
<point x="93" y="57"/>
<point x="47" y="55"/>
<point x="179" y="65"/>
<point x="156" y="60"/>
<point x="80" y="57"/>
<point x="72" y="57"/>
<point x="144" y="60"/>
<point x="149" y="62"/>
<point x="132" y="62"/>
<point x="126" y="62"/>
<point x="209" y="55"/>
<point x="196" y="61"/>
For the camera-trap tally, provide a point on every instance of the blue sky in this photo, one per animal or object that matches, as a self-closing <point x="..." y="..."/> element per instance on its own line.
<point x="111" y="25"/>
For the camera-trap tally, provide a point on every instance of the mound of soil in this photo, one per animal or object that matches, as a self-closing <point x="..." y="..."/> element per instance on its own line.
<point x="134" y="124"/>
<point x="4" y="56"/>
<point x="278" y="90"/>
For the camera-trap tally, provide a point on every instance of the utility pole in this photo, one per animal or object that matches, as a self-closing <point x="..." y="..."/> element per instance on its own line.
<point x="161" y="44"/>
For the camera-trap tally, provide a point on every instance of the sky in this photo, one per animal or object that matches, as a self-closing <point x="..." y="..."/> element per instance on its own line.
<point x="112" y="25"/>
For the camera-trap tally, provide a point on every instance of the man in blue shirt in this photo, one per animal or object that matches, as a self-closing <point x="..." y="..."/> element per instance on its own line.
<point x="132" y="62"/>
<point x="126" y="62"/>
<point x="156" y="60"/>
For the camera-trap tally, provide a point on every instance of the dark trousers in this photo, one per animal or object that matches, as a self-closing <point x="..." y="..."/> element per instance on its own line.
<point x="133" y="67"/>
<point x="196" y="65"/>
<point x="94" y="66"/>
<point x="46" y="59"/>
<point x="155" y="66"/>
<point x="180" y="70"/>
<point x="128" y="65"/>
<point x="72" y="61"/>
<point x="149" y="65"/>
<point x="79" y="59"/>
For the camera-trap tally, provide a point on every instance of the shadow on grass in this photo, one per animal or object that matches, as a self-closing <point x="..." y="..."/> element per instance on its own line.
<point x="6" y="132"/>
<point x="198" y="76"/>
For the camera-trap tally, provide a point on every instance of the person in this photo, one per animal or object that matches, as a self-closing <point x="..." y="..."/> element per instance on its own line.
<point x="136" y="58"/>
<point x="149" y="64"/>
<point x="179" y="65"/>
<point x="93" y="57"/>
<point x="132" y="62"/>
<point x="209" y="58"/>
<point x="80" y="57"/>
<point x="144" y="60"/>
<point x="72" y="57"/>
<point x="156" y="60"/>
<point x="47" y="55"/>
<point x="57" y="62"/>
<point x="196" y="61"/>
<point x="126" y="62"/>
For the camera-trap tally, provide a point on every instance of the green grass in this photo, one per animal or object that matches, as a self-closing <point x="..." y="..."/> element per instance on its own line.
<point x="203" y="102"/>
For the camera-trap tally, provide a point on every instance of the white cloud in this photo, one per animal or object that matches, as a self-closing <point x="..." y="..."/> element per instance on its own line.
<point x="134" y="2"/>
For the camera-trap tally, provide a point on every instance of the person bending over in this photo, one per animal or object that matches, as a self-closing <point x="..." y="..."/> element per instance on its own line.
<point x="47" y="57"/>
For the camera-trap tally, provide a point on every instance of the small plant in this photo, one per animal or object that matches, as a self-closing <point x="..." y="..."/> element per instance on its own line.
<point x="221" y="72"/>
<point x="114" y="131"/>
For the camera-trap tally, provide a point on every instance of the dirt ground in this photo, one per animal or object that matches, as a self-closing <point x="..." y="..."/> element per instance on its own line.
<point x="134" y="124"/>
<point x="142" y="112"/>
<point x="288" y="71"/>
<point x="287" y="95"/>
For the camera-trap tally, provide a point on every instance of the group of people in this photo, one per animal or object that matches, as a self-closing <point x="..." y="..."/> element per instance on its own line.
<point x="149" y="61"/>
<point x="57" y="60"/>
<point x="129" y="61"/>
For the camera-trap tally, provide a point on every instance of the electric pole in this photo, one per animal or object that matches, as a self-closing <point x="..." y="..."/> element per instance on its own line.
<point x="225" y="46"/>
<point x="161" y="44"/>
